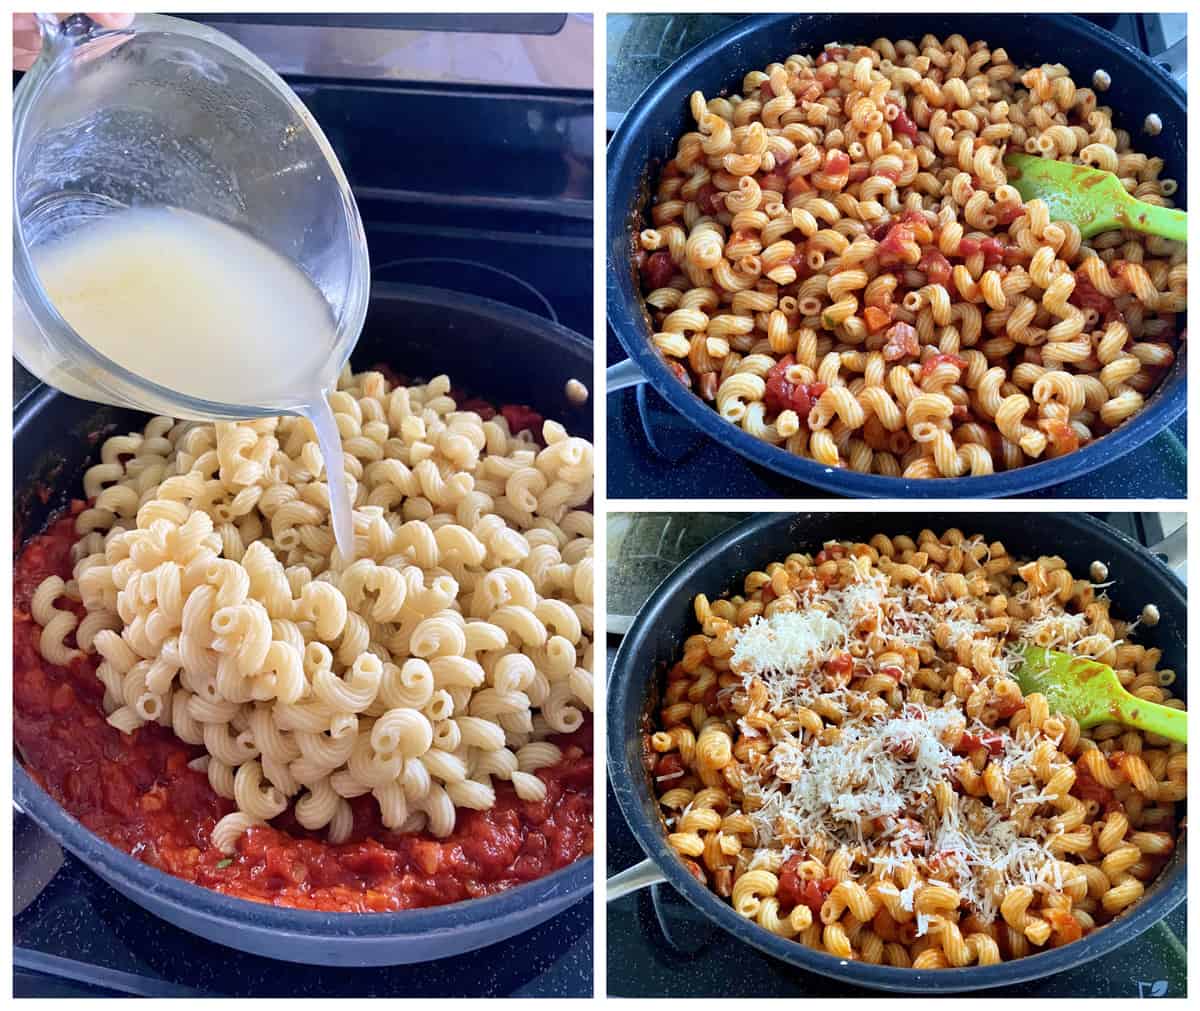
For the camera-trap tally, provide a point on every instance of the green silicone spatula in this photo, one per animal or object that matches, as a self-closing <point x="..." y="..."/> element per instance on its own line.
<point x="1092" y="693"/>
<point x="1094" y="200"/>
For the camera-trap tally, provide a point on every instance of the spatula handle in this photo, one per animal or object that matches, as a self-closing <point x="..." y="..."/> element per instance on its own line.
<point x="1168" y="222"/>
<point x="1153" y="718"/>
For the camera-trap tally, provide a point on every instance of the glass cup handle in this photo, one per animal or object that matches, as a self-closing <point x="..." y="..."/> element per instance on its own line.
<point x="60" y="36"/>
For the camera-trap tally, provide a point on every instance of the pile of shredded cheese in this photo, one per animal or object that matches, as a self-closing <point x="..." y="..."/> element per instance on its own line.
<point x="870" y="786"/>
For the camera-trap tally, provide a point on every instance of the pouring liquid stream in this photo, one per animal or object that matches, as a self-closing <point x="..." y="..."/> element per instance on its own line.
<point x="206" y="311"/>
<point x="320" y="415"/>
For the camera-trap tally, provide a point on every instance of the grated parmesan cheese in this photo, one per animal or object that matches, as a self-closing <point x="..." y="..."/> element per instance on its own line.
<point x="1053" y="629"/>
<point x="781" y="650"/>
<point x="872" y="784"/>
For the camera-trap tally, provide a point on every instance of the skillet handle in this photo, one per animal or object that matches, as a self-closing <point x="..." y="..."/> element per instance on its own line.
<point x="633" y="879"/>
<point x="1173" y="60"/>
<point x="622" y="375"/>
<point x="1173" y="549"/>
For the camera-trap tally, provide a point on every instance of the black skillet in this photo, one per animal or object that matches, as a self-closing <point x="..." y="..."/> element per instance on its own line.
<point x="654" y="641"/>
<point x="649" y="132"/>
<point x="491" y="350"/>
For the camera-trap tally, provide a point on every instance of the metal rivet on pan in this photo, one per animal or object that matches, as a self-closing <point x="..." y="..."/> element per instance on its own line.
<point x="576" y="392"/>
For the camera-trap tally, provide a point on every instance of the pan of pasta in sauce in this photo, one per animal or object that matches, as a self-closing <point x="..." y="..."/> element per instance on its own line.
<point x="815" y="253"/>
<point x="814" y="736"/>
<point x="374" y="763"/>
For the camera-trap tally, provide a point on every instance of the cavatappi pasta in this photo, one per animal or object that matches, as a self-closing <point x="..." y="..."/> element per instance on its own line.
<point x="835" y="260"/>
<point x="842" y="754"/>
<point x="458" y="639"/>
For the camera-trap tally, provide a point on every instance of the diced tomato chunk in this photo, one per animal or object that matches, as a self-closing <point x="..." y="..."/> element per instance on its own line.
<point x="935" y="266"/>
<point x="1007" y="211"/>
<point x="1066" y="928"/>
<point x="779" y="391"/>
<point x="902" y="342"/>
<point x="795" y="891"/>
<point x="833" y="53"/>
<point x="894" y="243"/>
<point x="782" y="395"/>
<point x="902" y="124"/>
<point x="1085" y="295"/>
<point x="876" y="318"/>
<point x="814" y="893"/>
<point x="798" y="184"/>
<point x="657" y="270"/>
<point x="972" y="742"/>
<point x="841" y="664"/>
<point x="993" y="250"/>
<point x="775" y="181"/>
<point x="837" y="163"/>
<point x="1063" y="438"/>
<point x="833" y="551"/>
<point x="896" y="236"/>
<point x="710" y="199"/>
<point x="521" y="418"/>
<point x="933" y="361"/>
<point x="789" y="883"/>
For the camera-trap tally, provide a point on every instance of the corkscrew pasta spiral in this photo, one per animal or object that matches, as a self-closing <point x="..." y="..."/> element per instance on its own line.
<point x="435" y="662"/>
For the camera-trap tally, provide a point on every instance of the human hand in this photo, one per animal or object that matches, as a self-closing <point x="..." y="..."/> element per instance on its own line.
<point x="27" y="37"/>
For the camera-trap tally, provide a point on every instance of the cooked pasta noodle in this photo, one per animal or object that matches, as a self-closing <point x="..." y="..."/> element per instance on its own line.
<point x="433" y="663"/>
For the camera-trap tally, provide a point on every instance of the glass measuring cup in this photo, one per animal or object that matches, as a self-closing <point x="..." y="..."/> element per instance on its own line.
<point x="171" y="113"/>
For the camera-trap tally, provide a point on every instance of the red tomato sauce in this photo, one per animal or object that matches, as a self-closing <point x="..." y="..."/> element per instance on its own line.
<point x="138" y="793"/>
